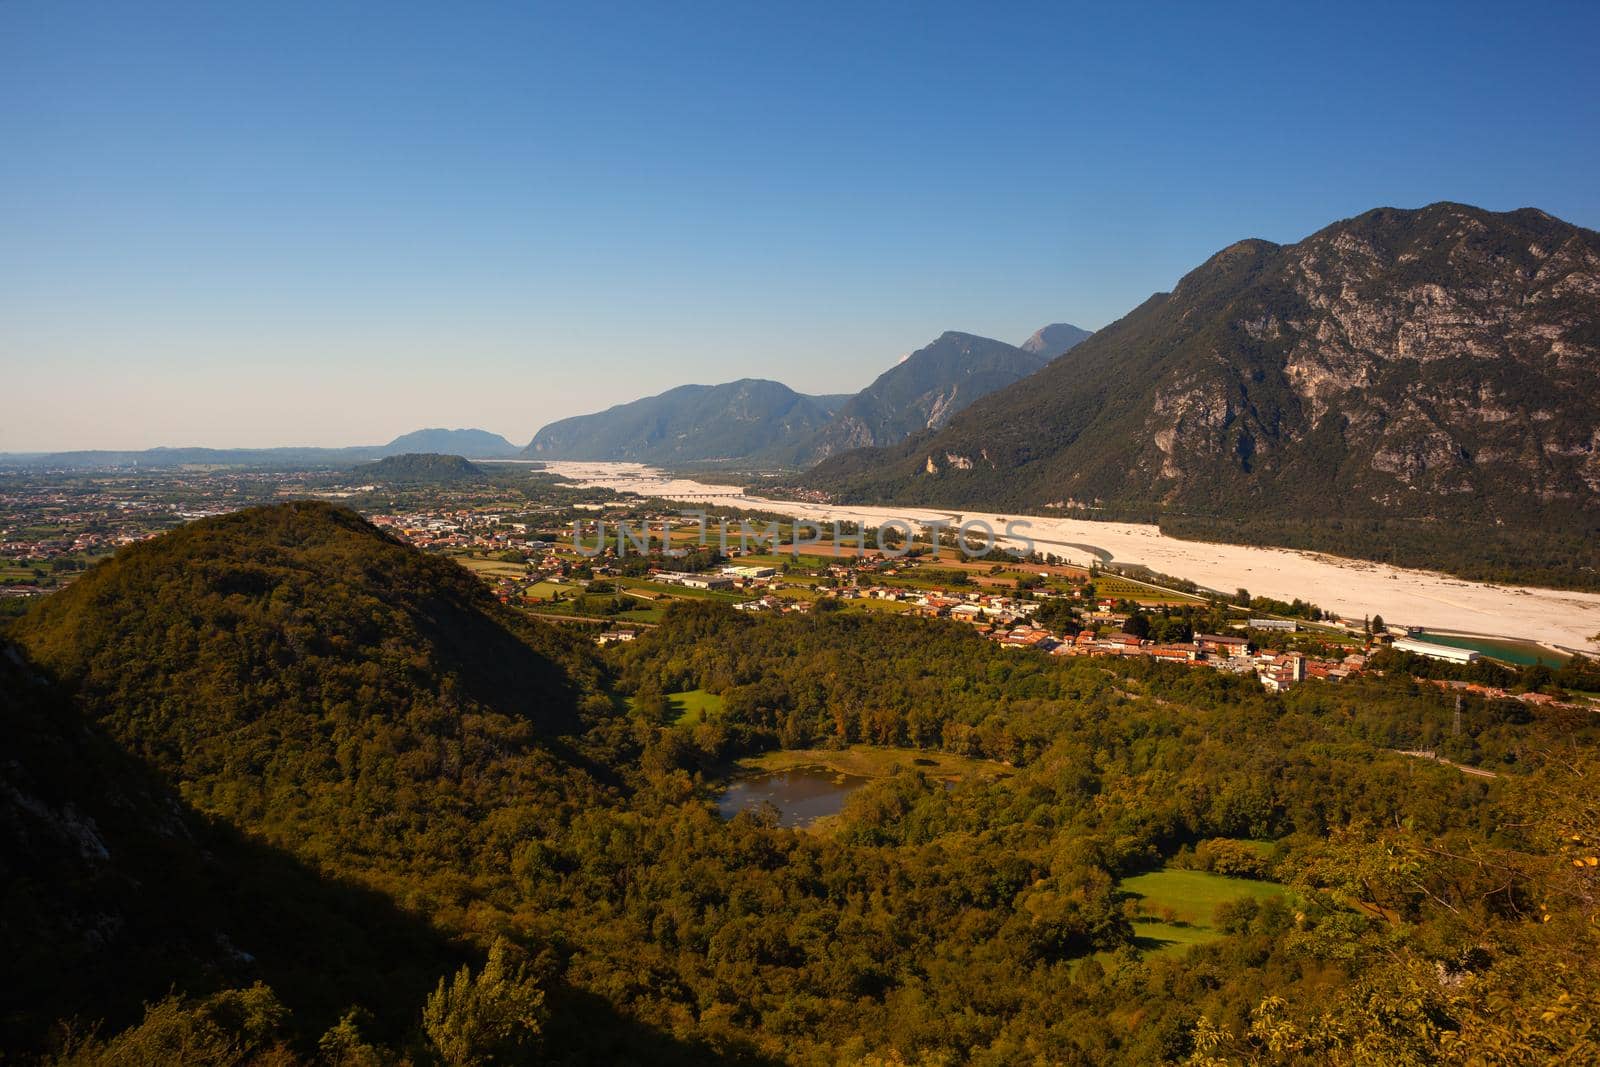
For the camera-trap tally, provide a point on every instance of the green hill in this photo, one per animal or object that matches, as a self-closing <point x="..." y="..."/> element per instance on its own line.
<point x="283" y="640"/>
<point x="420" y="468"/>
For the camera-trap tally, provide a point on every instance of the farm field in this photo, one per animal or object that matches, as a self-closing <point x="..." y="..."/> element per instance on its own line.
<point x="1120" y="588"/>
<point x="493" y="568"/>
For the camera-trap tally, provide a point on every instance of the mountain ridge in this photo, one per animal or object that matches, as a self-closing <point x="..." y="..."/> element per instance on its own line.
<point x="922" y="392"/>
<point x="710" y="423"/>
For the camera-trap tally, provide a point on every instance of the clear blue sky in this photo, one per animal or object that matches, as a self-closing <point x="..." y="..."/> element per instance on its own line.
<point x="329" y="223"/>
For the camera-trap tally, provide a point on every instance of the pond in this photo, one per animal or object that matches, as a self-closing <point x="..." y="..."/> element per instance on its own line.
<point x="1521" y="653"/>
<point x="801" y="795"/>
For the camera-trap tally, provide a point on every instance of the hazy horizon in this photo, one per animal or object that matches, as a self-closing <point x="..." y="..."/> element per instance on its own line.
<point x="290" y="226"/>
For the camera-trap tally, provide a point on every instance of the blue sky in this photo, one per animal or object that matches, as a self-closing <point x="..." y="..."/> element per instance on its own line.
<point x="330" y="223"/>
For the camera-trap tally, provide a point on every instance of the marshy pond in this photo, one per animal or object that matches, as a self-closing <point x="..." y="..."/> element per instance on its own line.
<point x="801" y="795"/>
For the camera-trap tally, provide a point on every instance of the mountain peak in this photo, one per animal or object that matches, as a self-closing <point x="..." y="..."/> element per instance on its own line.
<point x="1056" y="339"/>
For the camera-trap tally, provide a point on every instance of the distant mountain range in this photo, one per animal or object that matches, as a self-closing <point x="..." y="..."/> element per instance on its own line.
<point x="752" y="420"/>
<point x="767" y="422"/>
<point x="478" y="444"/>
<point x="1439" y="366"/>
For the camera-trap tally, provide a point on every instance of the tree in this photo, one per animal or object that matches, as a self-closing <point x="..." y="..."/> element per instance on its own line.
<point x="1377" y="625"/>
<point x="497" y="1014"/>
<point x="226" y="1029"/>
<point x="344" y="1046"/>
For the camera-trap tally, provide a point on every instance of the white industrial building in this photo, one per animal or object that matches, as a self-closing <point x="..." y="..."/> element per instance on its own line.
<point x="1432" y="651"/>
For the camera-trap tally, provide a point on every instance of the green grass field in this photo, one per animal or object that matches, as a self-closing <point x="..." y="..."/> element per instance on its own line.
<point x="690" y="703"/>
<point x="889" y="607"/>
<point x="678" y="592"/>
<point x="687" y="706"/>
<point x="1179" y="905"/>
<point x="640" y="615"/>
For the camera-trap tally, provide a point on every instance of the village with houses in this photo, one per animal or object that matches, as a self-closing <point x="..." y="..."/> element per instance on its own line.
<point x="524" y="546"/>
<point x="1029" y="605"/>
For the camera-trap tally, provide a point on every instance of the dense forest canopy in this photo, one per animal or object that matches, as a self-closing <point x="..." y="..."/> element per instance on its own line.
<point x="348" y="809"/>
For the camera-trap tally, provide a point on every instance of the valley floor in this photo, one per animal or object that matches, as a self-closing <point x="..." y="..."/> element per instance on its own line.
<point x="1357" y="588"/>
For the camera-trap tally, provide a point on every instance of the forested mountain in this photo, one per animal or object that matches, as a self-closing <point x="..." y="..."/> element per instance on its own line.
<point x="279" y="746"/>
<point x="1440" y="365"/>
<point x="690" y="423"/>
<point x="1055" y="340"/>
<point x="474" y="444"/>
<point x="424" y="468"/>
<point x="922" y="391"/>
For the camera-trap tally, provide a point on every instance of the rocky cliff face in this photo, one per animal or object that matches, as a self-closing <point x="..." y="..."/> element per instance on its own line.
<point x="1448" y="351"/>
<point x="1437" y="363"/>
